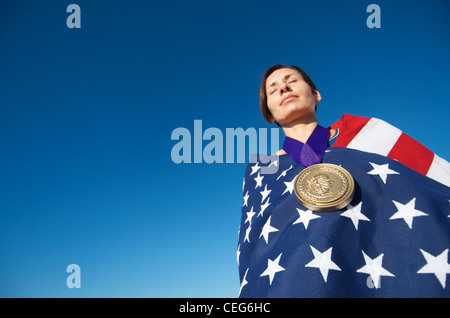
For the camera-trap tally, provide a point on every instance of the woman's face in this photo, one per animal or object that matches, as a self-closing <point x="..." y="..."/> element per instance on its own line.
<point x="289" y="97"/>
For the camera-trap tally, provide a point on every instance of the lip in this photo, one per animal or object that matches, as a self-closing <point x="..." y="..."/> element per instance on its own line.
<point x="288" y="98"/>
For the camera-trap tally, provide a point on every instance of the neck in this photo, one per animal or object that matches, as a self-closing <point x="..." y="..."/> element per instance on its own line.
<point x="301" y="129"/>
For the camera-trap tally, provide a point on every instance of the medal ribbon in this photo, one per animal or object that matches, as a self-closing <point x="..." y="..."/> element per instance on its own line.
<point x="310" y="153"/>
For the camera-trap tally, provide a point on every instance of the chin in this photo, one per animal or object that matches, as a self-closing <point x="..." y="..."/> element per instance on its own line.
<point x="296" y="116"/>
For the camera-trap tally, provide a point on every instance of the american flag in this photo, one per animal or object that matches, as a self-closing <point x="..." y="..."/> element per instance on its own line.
<point x="377" y="136"/>
<point x="392" y="240"/>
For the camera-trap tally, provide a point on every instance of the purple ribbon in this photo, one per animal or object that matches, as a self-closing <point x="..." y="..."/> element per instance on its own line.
<point x="310" y="153"/>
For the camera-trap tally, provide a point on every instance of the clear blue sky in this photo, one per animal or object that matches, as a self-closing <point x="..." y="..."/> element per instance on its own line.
<point x="86" y="117"/>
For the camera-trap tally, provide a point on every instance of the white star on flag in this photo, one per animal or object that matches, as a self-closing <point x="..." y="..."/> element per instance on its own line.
<point x="250" y="215"/>
<point x="265" y="193"/>
<point x="374" y="268"/>
<point x="354" y="213"/>
<point x="305" y="217"/>
<point x="255" y="168"/>
<point x="382" y="170"/>
<point x="258" y="180"/>
<point x="273" y="267"/>
<point x="247" y="233"/>
<point x="246" y="196"/>
<point x="436" y="265"/>
<point x="267" y="229"/>
<point x="275" y="163"/>
<point x="323" y="262"/>
<point x="244" y="281"/>
<point x="263" y="207"/>
<point x="238" y="253"/>
<point x="406" y="212"/>
<point x="289" y="186"/>
<point x="283" y="174"/>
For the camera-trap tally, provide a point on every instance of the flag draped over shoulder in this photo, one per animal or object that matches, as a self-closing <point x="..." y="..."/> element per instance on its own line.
<point x="392" y="240"/>
<point x="377" y="136"/>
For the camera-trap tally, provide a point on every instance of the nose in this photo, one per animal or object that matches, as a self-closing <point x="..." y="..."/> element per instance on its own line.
<point x="284" y="88"/>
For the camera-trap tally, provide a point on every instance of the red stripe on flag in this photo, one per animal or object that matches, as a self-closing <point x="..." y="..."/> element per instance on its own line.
<point x="349" y="126"/>
<point x="412" y="153"/>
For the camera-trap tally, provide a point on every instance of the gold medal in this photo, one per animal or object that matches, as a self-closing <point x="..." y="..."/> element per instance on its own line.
<point x="324" y="187"/>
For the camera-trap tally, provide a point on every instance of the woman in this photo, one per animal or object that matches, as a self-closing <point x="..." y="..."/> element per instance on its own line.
<point x="389" y="239"/>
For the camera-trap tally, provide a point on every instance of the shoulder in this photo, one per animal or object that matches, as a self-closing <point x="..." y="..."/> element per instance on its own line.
<point x="351" y="120"/>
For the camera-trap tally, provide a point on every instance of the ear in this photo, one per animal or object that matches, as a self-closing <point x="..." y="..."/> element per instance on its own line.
<point x="318" y="97"/>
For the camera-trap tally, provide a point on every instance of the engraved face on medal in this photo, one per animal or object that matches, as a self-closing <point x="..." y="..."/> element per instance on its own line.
<point x="324" y="187"/>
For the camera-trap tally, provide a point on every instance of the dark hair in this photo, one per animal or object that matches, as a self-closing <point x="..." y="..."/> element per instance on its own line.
<point x="262" y="91"/>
